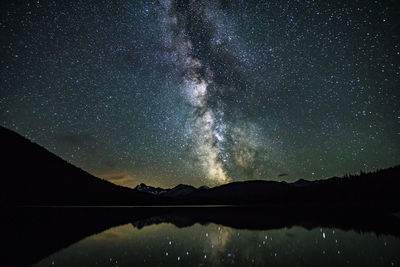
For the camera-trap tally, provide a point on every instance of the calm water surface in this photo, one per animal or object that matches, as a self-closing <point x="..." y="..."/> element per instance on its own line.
<point x="214" y="245"/>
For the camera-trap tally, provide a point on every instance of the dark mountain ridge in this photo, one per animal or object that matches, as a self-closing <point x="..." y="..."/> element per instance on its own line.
<point x="34" y="176"/>
<point x="375" y="189"/>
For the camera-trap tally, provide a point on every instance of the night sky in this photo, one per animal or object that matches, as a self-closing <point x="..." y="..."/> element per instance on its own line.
<point x="205" y="92"/>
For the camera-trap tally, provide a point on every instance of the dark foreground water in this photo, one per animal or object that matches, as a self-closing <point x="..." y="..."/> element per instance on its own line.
<point x="202" y="237"/>
<point x="215" y="245"/>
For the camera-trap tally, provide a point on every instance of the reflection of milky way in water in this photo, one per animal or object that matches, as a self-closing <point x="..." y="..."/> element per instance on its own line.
<point x="215" y="245"/>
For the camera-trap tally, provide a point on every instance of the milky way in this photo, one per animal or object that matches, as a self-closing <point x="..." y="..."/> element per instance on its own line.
<point x="194" y="36"/>
<point x="205" y="92"/>
<point x="206" y="126"/>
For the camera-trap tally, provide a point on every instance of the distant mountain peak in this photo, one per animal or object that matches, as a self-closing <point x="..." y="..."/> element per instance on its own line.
<point x="150" y="189"/>
<point x="178" y="191"/>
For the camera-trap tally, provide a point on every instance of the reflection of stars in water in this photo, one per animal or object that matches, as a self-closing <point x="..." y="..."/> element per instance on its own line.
<point x="220" y="245"/>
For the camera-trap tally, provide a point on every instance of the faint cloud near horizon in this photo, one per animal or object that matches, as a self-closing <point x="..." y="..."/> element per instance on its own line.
<point x="119" y="177"/>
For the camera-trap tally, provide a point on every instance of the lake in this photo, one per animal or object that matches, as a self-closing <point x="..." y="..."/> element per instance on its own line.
<point x="215" y="245"/>
<point x="170" y="239"/>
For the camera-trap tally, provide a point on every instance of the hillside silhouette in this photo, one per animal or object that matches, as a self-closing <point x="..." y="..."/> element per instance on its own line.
<point x="34" y="176"/>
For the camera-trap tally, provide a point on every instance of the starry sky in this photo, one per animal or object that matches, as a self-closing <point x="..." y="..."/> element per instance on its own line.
<point x="205" y="92"/>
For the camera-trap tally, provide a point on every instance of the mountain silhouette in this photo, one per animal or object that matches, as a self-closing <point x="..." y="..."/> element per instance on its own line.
<point x="34" y="176"/>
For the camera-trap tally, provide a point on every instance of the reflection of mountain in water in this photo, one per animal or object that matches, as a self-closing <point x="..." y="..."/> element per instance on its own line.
<point x="39" y="232"/>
